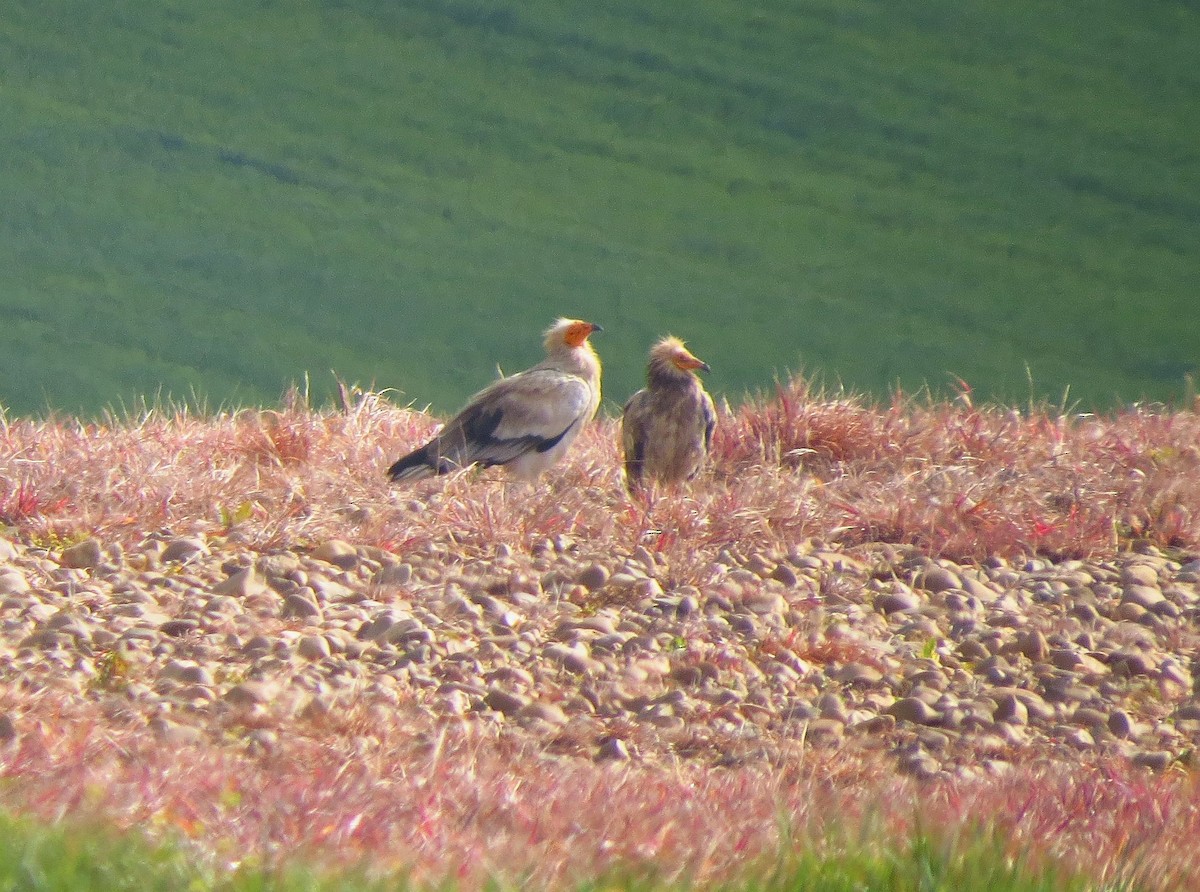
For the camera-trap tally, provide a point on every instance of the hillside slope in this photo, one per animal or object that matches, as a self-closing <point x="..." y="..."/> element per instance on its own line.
<point x="218" y="199"/>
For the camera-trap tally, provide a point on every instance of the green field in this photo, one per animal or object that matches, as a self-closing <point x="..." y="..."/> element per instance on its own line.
<point x="216" y="198"/>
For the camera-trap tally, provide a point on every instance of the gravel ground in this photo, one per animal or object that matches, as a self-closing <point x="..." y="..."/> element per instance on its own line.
<point x="948" y="669"/>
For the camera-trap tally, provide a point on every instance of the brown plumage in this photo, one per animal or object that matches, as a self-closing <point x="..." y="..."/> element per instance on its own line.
<point x="524" y="422"/>
<point x="667" y="427"/>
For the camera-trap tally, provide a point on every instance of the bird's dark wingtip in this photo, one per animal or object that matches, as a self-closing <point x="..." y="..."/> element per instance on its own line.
<point x="415" y="464"/>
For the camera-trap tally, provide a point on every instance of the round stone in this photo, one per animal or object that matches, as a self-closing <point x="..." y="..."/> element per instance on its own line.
<point x="13" y="582"/>
<point x="505" y="702"/>
<point x="83" y="555"/>
<point x="301" y="605"/>
<point x="915" y="710"/>
<point x="337" y="552"/>
<point x="592" y="577"/>
<point x="1119" y="723"/>
<point x="1140" y="574"/>
<point x="1011" y="710"/>
<point x="899" y="601"/>
<point x="785" y="574"/>
<point x="396" y="574"/>
<point x="938" y="579"/>
<point x="1155" y="760"/>
<point x="240" y="584"/>
<point x="313" y="647"/>
<point x="1143" y="596"/>
<point x="250" y="693"/>
<point x="183" y="550"/>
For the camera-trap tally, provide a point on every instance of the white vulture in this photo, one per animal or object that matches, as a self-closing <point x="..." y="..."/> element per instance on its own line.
<point x="667" y="427"/>
<point x="524" y="422"/>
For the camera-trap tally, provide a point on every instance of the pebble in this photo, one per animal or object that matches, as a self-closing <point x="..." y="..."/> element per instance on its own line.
<point x="505" y="702"/>
<point x="250" y="693"/>
<point x="187" y="672"/>
<point x="1156" y="760"/>
<point x="1140" y="575"/>
<point x="241" y="584"/>
<point x="937" y="579"/>
<point x="183" y="550"/>
<point x="913" y="709"/>
<point x="314" y="647"/>
<point x="1129" y="663"/>
<point x="1142" y="596"/>
<point x="1120" y="724"/>
<point x="178" y="627"/>
<point x="899" y="601"/>
<point x="337" y="552"/>
<point x="550" y="713"/>
<point x="785" y="575"/>
<point x="302" y="605"/>
<point x="13" y="582"/>
<point x="1011" y="710"/>
<point x="396" y="574"/>
<point x="857" y="675"/>
<point x="593" y="577"/>
<point x="573" y="658"/>
<point x="83" y="555"/>
<point x="8" y="729"/>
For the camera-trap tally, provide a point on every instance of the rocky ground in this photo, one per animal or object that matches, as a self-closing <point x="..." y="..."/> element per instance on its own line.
<point x="233" y="627"/>
<point x="949" y="669"/>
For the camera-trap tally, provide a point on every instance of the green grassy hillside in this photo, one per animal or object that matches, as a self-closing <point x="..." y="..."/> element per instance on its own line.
<point x="217" y="197"/>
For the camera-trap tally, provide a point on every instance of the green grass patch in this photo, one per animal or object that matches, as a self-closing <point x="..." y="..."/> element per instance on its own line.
<point x="218" y="198"/>
<point x="38" y="857"/>
<point x="922" y="865"/>
<point x="77" y="858"/>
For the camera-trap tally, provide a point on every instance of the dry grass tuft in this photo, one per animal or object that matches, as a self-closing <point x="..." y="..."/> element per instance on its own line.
<point x="966" y="482"/>
<point x="952" y="479"/>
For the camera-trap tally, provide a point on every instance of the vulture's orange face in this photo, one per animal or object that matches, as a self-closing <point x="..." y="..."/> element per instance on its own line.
<point x="578" y="332"/>
<point x="685" y="361"/>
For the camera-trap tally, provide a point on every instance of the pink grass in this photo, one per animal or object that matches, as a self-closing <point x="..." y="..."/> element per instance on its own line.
<point x="957" y="481"/>
<point x="468" y="802"/>
<point x="408" y="788"/>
